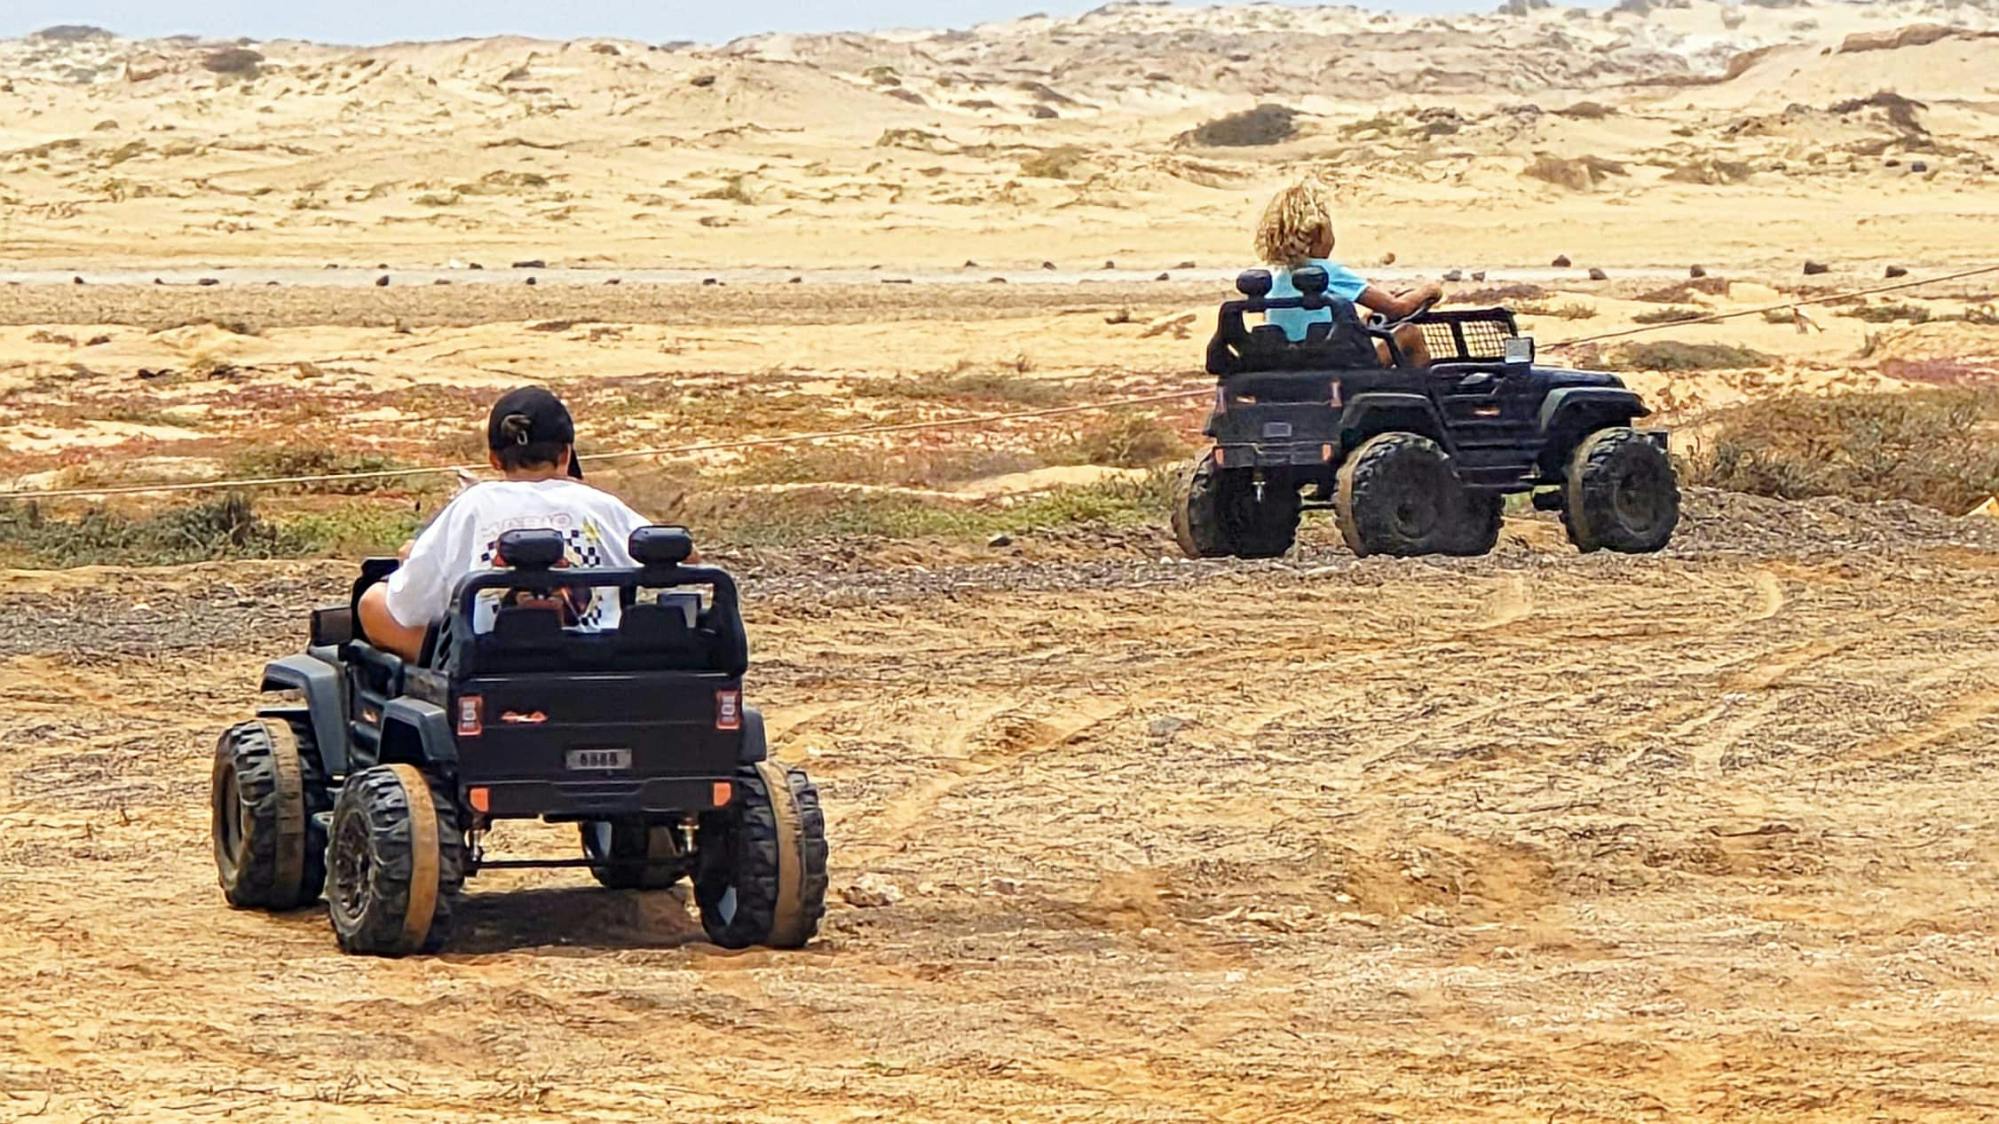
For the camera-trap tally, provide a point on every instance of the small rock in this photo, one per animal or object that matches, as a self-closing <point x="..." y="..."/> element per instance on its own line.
<point x="1598" y="275"/>
<point x="969" y="264"/>
<point x="1000" y="540"/>
<point x="1895" y="271"/>
<point x="797" y="281"/>
<point x="1455" y="275"/>
<point x="1814" y="268"/>
<point x="382" y="282"/>
<point x="381" y="265"/>
<point x="1005" y="887"/>
<point x="1188" y="265"/>
<point x="208" y="282"/>
<point x="710" y="281"/>
<point x="1166" y="726"/>
<point x="1919" y="167"/>
<point x="1110" y="265"/>
<point x="441" y="281"/>
<point x="1388" y="258"/>
<point x="1696" y="272"/>
<point x="996" y="281"/>
<point x="1043" y="113"/>
<point x="1479" y="276"/>
<point x="1049" y="266"/>
<point x="1891" y="162"/>
<point x="871" y="891"/>
<point x="1563" y="262"/>
<point x="1164" y="277"/>
<point x="702" y="81"/>
<point x="530" y="281"/>
<point x="77" y="280"/>
<point x="157" y="281"/>
<point x="475" y="265"/>
<point x="535" y="263"/>
<point x="615" y="281"/>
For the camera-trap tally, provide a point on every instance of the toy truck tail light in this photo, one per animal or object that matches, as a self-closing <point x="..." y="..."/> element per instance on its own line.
<point x="728" y="710"/>
<point x="471" y="716"/>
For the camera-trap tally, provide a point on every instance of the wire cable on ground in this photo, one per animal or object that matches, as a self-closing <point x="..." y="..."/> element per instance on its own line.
<point x="898" y="427"/>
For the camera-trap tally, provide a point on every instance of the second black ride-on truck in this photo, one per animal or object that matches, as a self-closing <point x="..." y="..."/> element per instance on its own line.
<point x="378" y="779"/>
<point x="1413" y="459"/>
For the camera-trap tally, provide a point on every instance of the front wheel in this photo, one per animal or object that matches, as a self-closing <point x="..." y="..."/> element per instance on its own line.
<point x="760" y="877"/>
<point x="1621" y="494"/>
<point x="1221" y="513"/>
<point x="260" y="807"/>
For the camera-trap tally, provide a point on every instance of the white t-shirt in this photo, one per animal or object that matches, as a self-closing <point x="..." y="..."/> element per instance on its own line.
<point x="465" y="537"/>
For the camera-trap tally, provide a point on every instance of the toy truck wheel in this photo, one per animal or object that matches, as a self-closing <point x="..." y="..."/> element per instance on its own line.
<point x="260" y="819"/>
<point x="395" y="862"/>
<point x="1620" y="495"/>
<point x="760" y="877"/>
<point x="635" y="855"/>
<point x="1399" y="497"/>
<point x="1218" y="514"/>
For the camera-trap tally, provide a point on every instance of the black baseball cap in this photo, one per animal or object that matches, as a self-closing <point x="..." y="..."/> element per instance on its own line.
<point x="548" y="421"/>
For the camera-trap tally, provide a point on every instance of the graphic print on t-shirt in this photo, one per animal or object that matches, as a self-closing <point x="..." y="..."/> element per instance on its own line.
<point x="583" y="549"/>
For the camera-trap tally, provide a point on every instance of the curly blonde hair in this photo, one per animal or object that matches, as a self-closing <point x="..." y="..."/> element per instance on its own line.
<point x="1292" y="223"/>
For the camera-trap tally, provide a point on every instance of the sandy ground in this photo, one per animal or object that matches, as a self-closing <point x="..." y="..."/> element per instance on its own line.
<point x="1700" y="836"/>
<point x="1707" y="835"/>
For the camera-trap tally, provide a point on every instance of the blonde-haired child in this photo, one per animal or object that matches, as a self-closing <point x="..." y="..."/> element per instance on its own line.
<point x="1296" y="231"/>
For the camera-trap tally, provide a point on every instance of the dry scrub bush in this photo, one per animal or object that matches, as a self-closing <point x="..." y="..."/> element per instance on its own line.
<point x="1674" y="355"/>
<point x="1265" y="125"/>
<point x="1938" y="448"/>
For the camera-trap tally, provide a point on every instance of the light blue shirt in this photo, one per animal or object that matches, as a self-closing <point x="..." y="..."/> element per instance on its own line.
<point x="1345" y="284"/>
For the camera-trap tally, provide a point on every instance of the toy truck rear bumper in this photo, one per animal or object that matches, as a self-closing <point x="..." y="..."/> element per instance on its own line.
<point x="603" y="798"/>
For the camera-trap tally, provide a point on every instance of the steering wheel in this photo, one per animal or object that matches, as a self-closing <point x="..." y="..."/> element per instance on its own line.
<point x="1379" y="322"/>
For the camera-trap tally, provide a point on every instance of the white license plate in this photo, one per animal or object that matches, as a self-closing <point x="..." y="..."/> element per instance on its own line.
<point x="600" y="760"/>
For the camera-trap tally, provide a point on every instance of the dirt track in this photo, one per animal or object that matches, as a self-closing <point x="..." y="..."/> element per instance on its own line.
<point x="1530" y="836"/>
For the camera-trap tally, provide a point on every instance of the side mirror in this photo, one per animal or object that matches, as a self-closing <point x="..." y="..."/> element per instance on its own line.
<point x="661" y="546"/>
<point x="531" y="550"/>
<point x="1311" y="281"/>
<point x="1254" y="284"/>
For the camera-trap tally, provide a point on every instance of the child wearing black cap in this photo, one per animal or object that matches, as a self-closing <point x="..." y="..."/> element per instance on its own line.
<point x="532" y="443"/>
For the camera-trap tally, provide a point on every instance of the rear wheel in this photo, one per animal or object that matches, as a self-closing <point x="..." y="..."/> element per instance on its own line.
<point x="761" y="872"/>
<point x="1217" y="513"/>
<point x="396" y="862"/>
<point x="260" y="819"/>
<point x="1621" y="494"/>
<point x="1398" y="496"/>
<point x="630" y="854"/>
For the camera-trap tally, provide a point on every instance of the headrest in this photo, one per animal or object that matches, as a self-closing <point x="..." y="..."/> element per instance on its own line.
<point x="1311" y="281"/>
<point x="661" y="546"/>
<point x="538" y="549"/>
<point x="1253" y="283"/>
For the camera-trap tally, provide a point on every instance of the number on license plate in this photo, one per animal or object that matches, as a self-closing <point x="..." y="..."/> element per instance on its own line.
<point x="600" y="760"/>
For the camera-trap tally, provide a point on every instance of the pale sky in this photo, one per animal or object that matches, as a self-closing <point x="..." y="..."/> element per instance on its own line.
<point x="380" y="21"/>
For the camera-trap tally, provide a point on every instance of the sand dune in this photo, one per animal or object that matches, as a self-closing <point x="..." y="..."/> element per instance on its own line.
<point x="1013" y="143"/>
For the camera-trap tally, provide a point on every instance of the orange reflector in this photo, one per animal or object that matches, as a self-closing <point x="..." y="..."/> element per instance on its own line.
<point x="481" y="799"/>
<point x="1325" y="452"/>
<point x="722" y="793"/>
<point x="1221" y="456"/>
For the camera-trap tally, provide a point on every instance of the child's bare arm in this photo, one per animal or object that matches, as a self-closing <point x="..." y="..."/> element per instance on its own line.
<point x="1399" y="303"/>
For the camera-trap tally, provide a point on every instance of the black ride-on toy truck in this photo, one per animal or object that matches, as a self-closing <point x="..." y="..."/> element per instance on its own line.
<point x="1413" y="460"/>
<point x="378" y="779"/>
